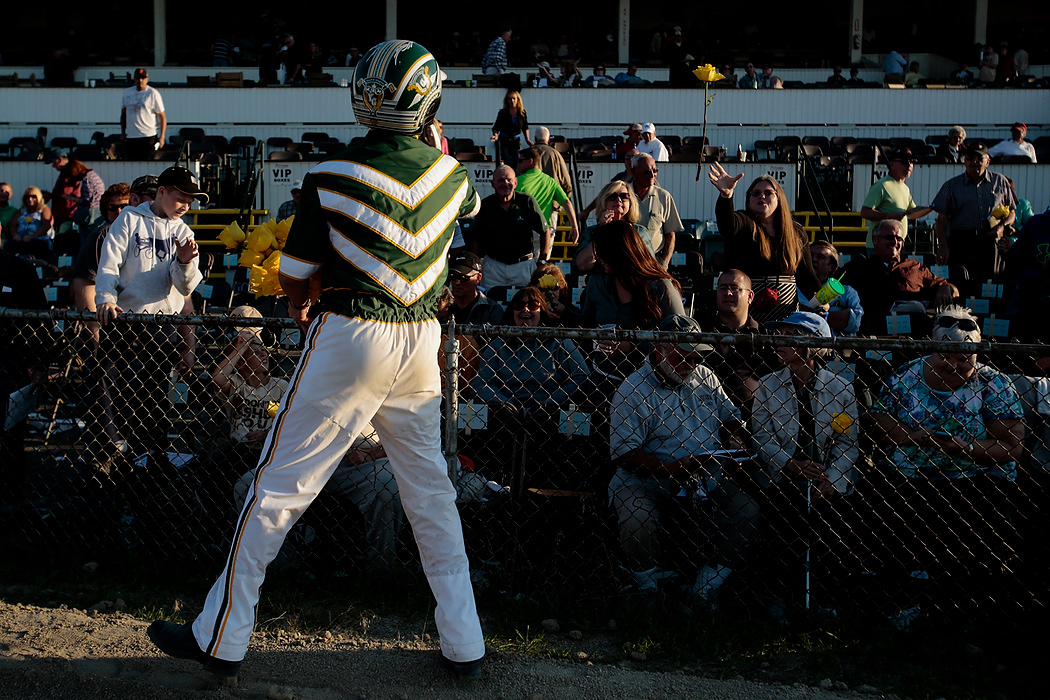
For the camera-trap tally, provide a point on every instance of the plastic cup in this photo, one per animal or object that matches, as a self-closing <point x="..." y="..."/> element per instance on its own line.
<point x="831" y="290"/>
<point x="91" y="83"/>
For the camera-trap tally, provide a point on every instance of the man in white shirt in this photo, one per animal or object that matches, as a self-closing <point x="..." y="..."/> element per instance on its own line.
<point x="141" y="107"/>
<point x="652" y="145"/>
<point x="1016" y="146"/>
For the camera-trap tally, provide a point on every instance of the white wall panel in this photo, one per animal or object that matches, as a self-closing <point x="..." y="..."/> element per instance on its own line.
<point x="674" y="111"/>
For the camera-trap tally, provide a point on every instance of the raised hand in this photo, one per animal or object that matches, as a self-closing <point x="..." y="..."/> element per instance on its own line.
<point x="723" y="181"/>
<point x="185" y="251"/>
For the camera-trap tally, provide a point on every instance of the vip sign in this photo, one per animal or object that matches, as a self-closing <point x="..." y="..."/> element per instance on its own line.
<point x="281" y="175"/>
<point x="584" y="176"/>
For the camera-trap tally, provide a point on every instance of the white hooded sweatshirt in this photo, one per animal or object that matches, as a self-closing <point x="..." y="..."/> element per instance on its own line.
<point x="139" y="269"/>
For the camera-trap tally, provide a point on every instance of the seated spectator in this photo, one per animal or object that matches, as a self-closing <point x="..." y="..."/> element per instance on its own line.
<point x="913" y="76"/>
<point x="805" y="425"/>
<point x="854" y="78"/>
<point x="469" y="304"/>
<point x="952" y="431"/>
<point x="767" y="80"/>
<point x="560" y="309"/>
<point x="633" y="293"/>
<point x="8" y="211"/>
<point x="30" y="231"/>
<point x="365" y="478"/>
<point x="598" y="76"/>
<point x="804" y="443"/>
<point x="952" y="149"/>
<point x="666" y="419"/>
<point x="886" y="278"/>
<point x="845" y="312"/>
<point x="1016" y="145"/>
<point x="837" y="78"/>
<point x="749" y="79"/>
<point x="529" y="371"/>
<point x="242" y="377"/>
<point x="963" y="76"/>
<point x="737" y="366"/>
<point x="570" y="74"/>
<point x="630" y="77"/>
<point x="616" y="202"/>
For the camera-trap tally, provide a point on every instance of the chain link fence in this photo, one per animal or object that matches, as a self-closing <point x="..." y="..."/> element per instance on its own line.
<point x="590" y="464"/>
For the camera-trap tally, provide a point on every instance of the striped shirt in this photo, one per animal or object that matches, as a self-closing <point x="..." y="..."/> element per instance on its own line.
<point x="967" y="204"/>
<point x="379" y="217"/>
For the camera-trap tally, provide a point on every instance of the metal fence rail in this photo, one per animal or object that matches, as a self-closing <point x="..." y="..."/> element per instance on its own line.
<point x="855" y="491"/>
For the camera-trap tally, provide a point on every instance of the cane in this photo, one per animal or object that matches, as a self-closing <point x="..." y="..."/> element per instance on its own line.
<point x="809" y="534"/>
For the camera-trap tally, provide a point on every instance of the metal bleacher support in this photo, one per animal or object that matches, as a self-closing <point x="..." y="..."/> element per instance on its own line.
<point x="562" y="250"/>
<point x="847" y="227"/>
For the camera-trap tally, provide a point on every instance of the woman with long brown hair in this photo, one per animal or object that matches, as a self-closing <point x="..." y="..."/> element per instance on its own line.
<point x="511" y="124"/>
<point x="765" y="242"/>
<point x="634" y="293"/>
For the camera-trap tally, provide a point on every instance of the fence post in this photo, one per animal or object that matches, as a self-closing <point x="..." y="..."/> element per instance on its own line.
<point x="452" y="402"/>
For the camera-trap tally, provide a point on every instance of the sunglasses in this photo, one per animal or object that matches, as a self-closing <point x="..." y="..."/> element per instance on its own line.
<point x="115" y="207"/>
<point x="460" y="277"/>
<point x="521" y="305"/>
<point x="763" y="193"/>
<point x="965" y="324"/>
<point x="622" y="196"/>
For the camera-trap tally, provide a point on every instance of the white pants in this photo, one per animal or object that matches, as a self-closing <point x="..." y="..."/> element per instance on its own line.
<point x="351" y="372"/>
<point x="499" y="274"/>
<point x="372" y="489"/>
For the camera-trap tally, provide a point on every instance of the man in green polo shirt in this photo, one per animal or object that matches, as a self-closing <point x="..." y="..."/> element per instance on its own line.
<point x="547" y="191"/>
<point x="890" y="197"/>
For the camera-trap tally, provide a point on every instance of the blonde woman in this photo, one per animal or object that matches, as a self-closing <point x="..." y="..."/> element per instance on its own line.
<point x="511" y="124"/>
<point x="31" y="229"/>
<point x="616" y="202"/>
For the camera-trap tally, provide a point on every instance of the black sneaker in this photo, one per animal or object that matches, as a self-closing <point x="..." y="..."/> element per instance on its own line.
<point x="464" y="670"/>
<point x="178" y="641"/>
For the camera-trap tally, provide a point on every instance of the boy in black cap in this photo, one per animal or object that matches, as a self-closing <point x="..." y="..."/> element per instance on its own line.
<point x="149" y="265"/>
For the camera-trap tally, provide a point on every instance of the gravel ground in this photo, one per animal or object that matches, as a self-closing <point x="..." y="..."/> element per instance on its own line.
<point x="73" y="655"/>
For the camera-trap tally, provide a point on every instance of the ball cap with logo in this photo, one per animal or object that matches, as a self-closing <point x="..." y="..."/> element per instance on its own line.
<point x="465" y="263"/>
<point x="184" y="181"/>
<point x="684" y="324"/>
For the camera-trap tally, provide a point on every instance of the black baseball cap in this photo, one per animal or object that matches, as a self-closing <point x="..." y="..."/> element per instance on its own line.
<point x="978" y="148"/>
<point x="903" y="154"/>
<point x="141" y="73"/>
<point x="465" y="263"/>
<point x="145" y="184"/>
<point x="184" y="181"/>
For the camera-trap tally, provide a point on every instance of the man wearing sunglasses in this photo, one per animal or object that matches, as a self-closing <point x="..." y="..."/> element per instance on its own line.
<point x="885" y="278"/>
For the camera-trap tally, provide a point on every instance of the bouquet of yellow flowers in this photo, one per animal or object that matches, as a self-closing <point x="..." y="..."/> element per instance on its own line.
<point x="260" y="252"/>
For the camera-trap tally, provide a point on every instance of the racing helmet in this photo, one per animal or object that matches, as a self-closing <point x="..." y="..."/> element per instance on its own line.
<point x="397" y="87"/>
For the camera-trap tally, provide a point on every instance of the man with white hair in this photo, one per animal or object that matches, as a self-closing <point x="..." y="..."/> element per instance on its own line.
<point x="657" y="211"/>
<point x="652" y="145"/>
<point x="551" y="161"/>
<point x="503" y="230"/>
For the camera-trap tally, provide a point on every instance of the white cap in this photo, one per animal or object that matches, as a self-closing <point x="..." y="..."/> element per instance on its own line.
<point x="648" y="128"/>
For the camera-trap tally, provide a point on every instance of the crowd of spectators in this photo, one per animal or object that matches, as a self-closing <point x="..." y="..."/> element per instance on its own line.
<point x="669" y="413"/>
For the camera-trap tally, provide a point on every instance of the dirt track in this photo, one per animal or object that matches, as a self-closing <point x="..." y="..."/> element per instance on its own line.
<point x="69" y="654"/>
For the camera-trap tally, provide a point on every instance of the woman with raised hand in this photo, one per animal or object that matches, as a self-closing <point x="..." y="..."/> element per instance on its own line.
<point x="765" y="242"/>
